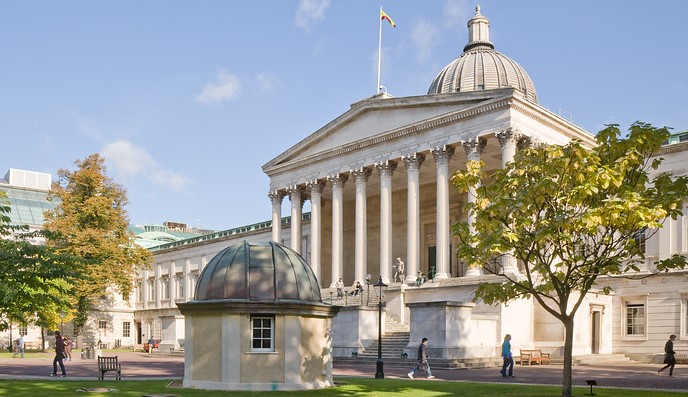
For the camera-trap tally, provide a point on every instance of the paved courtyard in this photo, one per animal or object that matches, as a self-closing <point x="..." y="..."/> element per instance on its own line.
<point x="145" y="366"/>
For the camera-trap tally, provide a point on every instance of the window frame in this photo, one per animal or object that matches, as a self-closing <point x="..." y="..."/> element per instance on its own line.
<point x="261" y="339"/>
<point x="634" y="303"/>
<point x="126" y="329"/>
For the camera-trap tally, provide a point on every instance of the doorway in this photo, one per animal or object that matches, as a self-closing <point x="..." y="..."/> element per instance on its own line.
<point x="595" y="321"/>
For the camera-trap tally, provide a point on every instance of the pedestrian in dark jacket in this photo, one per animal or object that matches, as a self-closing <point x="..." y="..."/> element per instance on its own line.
<point x="669" y="356"/>
<point x="422" y="364"/>
<point x="59" y="355"/>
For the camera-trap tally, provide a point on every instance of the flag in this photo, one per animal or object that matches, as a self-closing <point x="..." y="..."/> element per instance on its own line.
<point x="384" y="16"/>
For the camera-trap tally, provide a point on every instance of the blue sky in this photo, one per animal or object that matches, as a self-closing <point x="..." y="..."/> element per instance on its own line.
<point x="188" y="99"/>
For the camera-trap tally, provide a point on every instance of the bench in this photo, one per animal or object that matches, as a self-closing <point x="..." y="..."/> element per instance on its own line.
<point x="106" y="364"/>
<point x="530" y="356"/>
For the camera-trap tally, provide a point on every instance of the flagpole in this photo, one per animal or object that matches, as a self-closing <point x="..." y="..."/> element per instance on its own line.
<point x="379" y="55"/>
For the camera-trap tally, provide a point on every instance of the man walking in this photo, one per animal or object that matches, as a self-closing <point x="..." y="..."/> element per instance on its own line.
<point x="422" y="364"/>
<point x="508" y="360"/>
<point x="670" y="356"/>
<point x="20" y="347"/>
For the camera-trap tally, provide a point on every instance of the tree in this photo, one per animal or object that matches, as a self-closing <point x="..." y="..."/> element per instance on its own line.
<point x="90" y="221"/>
<point x="570" y="215"/>
<point x="33" y="277"/>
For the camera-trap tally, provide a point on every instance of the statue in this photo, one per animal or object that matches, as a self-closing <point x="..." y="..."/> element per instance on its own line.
<point x="399" y="271"/>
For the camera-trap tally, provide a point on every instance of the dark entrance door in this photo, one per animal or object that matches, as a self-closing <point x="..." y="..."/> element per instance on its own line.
<point x="595" y="332"/>
<point x="432" y="262"/>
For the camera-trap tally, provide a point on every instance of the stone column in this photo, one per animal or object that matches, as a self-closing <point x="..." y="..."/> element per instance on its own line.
<point x="296" y="206"/>
<point x="276" y="199"/>
<point x="413" y="163"/>
<point x="361" y="176"/>
<point x="508" y="139"/>
<point x="337" y="182"/>
<point x="386" y="170"/>
<point x="474" y="149"/>
<point x="442" y="156"/>
<point x="316" y="187"/>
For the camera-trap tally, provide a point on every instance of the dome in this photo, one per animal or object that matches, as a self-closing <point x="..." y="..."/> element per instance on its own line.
<point x="258" y="272"/>
<point x="480" y="67"/>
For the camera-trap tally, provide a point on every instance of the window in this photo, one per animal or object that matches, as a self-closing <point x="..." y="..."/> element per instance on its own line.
<point x="194" y="281"/>
<point x="126" y="329"/>
<point x="102" y="327"/>
<point x="262" y="339"/>
<point x="23" y="330"/>
<point x="635" y="319"/>
<point x="151" y="290"/>
<point x="180" y="286"/>
<point x="640" y="237"/>
<point x="139" y="291"/>
<point x="165" y="284"/>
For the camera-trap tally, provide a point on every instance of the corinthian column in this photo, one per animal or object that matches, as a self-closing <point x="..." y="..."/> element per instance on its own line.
<point x="508" y="140"/>
<point x="386" y="170"/>
<point x="316" y="187"/>
<point x="413" y="163"/>
<point x="337" y="182"/>
<point x="474" y="149"/>
<point x="276" y="199"/>
<point x="361" y="176"/>
<point x="296" y="207"/>
<point x="442" y="156"/>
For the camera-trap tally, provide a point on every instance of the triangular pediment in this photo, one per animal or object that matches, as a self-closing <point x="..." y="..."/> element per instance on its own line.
<point x="377" y="117"/>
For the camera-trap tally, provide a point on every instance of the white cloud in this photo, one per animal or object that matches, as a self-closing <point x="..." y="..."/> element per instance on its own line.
<point x="128" y="161"/>
<point x="310" y="11"/>
<point x="225" y="87"/>
<point x="424" y="37"/>
<point x="268" y="82"/>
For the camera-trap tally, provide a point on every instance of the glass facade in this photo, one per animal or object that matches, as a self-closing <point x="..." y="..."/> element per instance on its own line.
<point x="27" y="205"/>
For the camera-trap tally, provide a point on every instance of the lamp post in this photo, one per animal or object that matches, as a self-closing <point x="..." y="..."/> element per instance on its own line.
<point x="380" y="287"/>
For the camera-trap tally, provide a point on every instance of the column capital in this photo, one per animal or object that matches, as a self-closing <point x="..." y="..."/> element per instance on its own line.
<point x="338" y="180"/>
<point x="509" y="135"/>
<point x="316" y="185"/>
<point x="295" y="194"/>
<point x="474" y="147"/>
<point x="528" y="142"/>
<point x="413" y="161"/>
<point x="276" y="196"/>
<point x="361" y="174"/>
<point x="386" y="168"/>
<point x="442" y="154"/>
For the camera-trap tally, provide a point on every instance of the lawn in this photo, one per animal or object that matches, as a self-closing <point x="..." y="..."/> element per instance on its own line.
<point x="346" y="387"/>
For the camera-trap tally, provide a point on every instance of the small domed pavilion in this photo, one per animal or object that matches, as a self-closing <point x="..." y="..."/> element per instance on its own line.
<point x="258" y="323"/>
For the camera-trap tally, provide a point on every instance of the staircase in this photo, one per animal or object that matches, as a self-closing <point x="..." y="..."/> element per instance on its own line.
<point x="395" y="340"/>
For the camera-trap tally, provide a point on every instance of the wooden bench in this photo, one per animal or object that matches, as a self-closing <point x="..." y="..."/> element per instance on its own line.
<point x="106" y="364"/>
<point x="530" y="356"/>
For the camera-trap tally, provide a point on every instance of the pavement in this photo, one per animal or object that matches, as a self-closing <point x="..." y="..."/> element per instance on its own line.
<point x="143" y="366"/>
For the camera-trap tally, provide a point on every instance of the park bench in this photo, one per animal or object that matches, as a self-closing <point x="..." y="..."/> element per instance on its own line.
<point x="530" y="356"/>
<point x="106" y="364"/>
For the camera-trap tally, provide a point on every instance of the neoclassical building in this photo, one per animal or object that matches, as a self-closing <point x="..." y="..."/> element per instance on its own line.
<point x="377" y="176"/>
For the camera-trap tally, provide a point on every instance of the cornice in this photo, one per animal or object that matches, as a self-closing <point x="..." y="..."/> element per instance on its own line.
<point x="553" y="121"/>
<point x="673" y="148"/>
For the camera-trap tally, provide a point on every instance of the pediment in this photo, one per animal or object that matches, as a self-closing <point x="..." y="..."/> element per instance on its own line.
<point x="375" y="117"/>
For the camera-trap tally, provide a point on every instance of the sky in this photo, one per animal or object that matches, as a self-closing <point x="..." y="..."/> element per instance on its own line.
<point x="187" y="100"/>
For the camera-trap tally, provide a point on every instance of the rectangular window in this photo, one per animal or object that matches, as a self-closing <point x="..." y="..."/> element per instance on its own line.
<point x="23" y="330"/>
<point x="180" y="286"/>
<point x="165" y="284"/>
<point x="635" y="319"/>
<point x="139" y="291"/>
<point x="126" y="329"/>
<point x="262" y="334"/>
<point x="640" y="237"/>
<point x="151" y="290"/>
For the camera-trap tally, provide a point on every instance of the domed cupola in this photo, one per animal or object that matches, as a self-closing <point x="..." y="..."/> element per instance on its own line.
<point x="480" y="67"/>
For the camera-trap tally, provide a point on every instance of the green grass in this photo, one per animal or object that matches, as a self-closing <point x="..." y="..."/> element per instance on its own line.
<point x="346" y="387"/>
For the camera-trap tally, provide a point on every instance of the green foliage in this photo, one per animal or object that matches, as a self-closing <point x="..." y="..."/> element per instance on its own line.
<point x="33" y="278"/>
<point x="570" y="215"/>
<point x="90" y="221"/>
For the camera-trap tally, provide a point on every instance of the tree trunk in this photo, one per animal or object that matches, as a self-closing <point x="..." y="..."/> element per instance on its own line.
<point x="42" y="339"/>
<point x="566" y="386"/>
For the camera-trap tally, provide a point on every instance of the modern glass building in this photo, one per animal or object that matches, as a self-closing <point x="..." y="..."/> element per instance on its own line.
<point x="27" y="192"/>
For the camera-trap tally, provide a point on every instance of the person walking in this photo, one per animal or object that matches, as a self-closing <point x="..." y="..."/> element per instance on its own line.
<point x="59" y="355"/>
<point x="508" y="360"/>
<point x="422" y="364"/>
<point x="19" y="348"/>
<point x="68" y="348"/>
<point x="669" y="356"/>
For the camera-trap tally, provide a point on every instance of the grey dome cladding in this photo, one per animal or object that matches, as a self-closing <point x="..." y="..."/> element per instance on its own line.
<point x="480" y="67"/>
<point x="258" y="272"/>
